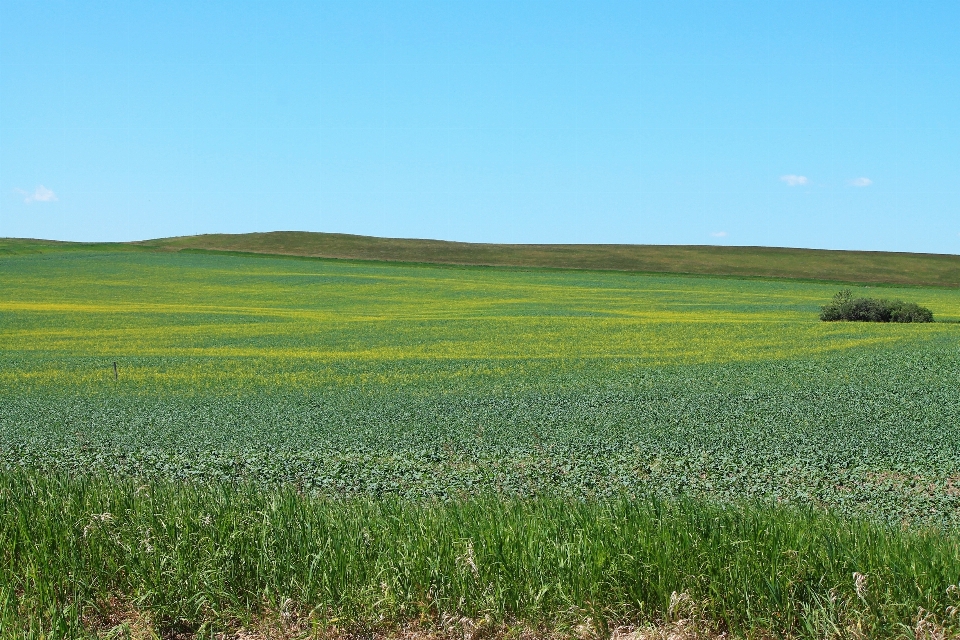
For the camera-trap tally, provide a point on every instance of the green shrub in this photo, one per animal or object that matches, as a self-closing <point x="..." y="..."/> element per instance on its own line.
<point x="909" y="312"/>
<point x="845" y="307"/>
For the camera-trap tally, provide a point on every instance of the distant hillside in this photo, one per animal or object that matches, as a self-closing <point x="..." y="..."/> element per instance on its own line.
<point x="814" y="264"/>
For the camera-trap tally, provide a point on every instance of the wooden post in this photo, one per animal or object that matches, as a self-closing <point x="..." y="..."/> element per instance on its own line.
<point x="116" y="374"/>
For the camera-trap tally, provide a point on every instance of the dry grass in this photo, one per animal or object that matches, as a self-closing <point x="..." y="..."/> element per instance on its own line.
<point x="117" y="619"/>
<point x="134" y="629"/>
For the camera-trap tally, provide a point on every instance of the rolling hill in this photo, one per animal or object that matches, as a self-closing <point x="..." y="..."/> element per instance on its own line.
<point x="873" y="267"/>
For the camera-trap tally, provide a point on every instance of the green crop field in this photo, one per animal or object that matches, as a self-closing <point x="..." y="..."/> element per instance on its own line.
<point x="471" y="400"/>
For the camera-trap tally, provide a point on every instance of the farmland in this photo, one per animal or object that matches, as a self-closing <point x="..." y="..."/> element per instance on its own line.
<point x="427" y="389"/>
<point x="871" y="267"/>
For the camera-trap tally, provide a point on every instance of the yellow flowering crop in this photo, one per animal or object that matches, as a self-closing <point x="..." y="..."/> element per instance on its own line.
<point x="190" y="310"/>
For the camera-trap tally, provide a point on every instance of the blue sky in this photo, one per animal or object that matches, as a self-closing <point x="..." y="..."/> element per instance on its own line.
<point x="811" y="124"/>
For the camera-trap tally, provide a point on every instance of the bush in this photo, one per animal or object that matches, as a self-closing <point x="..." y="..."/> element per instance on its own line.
<point x="845" y="307"/>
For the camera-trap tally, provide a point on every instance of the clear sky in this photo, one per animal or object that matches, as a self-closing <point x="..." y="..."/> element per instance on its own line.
<point x="807" y="124"/>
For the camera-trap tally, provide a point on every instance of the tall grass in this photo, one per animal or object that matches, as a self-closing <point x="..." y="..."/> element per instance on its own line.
<point x="195" y="555"/>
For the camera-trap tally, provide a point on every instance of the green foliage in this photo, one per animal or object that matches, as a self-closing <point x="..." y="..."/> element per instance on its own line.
<point x="552" y="412"/>
<point x="829" y="431"/>
<point x="202" y="556"/>
<point x="845" y="307"/>
<point x="425" y="382"/>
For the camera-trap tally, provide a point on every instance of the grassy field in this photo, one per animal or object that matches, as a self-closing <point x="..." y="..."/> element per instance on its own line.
<point x="869" y="267"/>
<point x="511" y="411"/>
<point x="852" y="266"/>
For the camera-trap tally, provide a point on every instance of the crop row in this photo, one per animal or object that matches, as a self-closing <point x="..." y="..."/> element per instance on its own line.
<point x="871" y="432"/>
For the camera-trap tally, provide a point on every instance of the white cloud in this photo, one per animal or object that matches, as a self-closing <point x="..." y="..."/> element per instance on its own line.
<point x="861" y="182"/>
<point x="719" y="234"/>
<point x="794" y="181"/>
<point x="40" y="194"/>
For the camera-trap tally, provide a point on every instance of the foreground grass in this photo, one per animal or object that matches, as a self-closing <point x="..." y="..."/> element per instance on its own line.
<point x="199" y="558"/>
